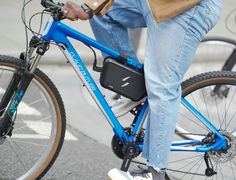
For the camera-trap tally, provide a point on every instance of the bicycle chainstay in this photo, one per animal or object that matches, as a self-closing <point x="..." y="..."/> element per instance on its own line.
<point x="179" y="171"/>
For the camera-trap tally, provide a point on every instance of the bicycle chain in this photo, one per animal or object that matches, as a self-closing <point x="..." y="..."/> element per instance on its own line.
<point x="185" y="172"/>
<point x="173" y="170"/>
<point x="195" y="134"/>
<point x="179" y="171"/>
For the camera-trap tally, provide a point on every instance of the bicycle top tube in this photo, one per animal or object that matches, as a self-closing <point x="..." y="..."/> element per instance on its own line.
<point x="58" y="32"/>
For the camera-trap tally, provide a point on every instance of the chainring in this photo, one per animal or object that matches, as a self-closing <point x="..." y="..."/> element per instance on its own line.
<point x="117" y="146"/>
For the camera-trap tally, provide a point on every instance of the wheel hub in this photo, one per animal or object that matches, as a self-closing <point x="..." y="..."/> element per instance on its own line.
<point x="223" y="156"/>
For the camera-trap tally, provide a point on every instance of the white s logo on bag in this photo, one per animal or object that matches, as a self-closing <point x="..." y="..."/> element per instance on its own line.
<point x="127" y="83"/>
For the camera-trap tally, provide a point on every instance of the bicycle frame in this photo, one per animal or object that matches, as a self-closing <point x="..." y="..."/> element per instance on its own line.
<point x="58" y="32"/>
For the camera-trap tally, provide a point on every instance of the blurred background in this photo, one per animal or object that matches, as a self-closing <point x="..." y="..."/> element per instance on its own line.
<point x="12" y="36"/>
<point x="89" y="129"/>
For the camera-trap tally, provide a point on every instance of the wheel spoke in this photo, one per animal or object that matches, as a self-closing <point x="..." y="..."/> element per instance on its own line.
<point x="217" y="109"/>
<point x="208" y="115"/>
<point x="221" y="171"/>
<point x="32" y="103"/>
<point x="19" y="128"/>
<point x="30" y="143"/>
<point x="41" y="120"/>
<point x="197" y="156"/>
<point x="189" y="170"/>
<point x="186" y="165"/>
<point x="16" y="154"/>
<point x="199" y="125"/>
<point x="232" y="118"/>
<point x="197" y="168"/>
<point x="227" y="109"/>
<point x="216" y="168"/>
<point x="194" y="101"/>
<point x="232" y="169"/>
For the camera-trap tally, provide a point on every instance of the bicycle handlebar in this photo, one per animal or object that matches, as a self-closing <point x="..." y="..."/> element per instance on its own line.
<point x="50" y="4"/>
<point x="54" y="8"/>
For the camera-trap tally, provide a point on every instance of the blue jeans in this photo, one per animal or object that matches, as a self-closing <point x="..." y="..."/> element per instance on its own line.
<point x="170" y="48"/>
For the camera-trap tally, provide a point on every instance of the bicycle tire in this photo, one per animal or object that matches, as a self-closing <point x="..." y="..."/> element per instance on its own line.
<point x="48" y="96"/>
<point x="198" y="91"/>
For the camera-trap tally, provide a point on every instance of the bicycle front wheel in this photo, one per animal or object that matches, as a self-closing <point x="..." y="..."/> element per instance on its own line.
<point x="214" y="96"/>
<point x="38" y="130"/>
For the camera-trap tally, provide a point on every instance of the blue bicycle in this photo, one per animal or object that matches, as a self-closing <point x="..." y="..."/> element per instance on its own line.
<point x="29" y="100"/>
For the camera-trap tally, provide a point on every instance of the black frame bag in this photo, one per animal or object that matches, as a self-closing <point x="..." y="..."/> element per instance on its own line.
<point x="123" y="79"/>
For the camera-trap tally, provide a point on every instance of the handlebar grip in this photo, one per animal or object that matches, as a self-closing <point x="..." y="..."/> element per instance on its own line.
<point x="44" y="3"/>
<point x="50" y="4"/>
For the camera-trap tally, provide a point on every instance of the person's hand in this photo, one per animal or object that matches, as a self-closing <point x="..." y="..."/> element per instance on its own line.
<point x="74" y="12"/>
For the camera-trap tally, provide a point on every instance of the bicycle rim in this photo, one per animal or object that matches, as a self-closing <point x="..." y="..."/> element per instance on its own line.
<point x="37" y="131"/>
<point x="219" y="108"/>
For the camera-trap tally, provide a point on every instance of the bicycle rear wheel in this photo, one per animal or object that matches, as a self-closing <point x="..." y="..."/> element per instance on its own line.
<point x="39" y="126"/>
<point x="214" y="95"/>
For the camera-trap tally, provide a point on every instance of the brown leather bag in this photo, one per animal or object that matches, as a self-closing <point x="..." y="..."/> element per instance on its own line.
<point x="105" y="8"/>
<point x="166" y="9"/>
<point x="99" y="7"/>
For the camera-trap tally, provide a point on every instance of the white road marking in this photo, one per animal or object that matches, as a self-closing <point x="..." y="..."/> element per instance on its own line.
<point x="24" y="109"/>
<point x="234" y="134"/>
<point x="1" y="90"/>
<point x="28" y="136"/>
<point x="42" y="130"/>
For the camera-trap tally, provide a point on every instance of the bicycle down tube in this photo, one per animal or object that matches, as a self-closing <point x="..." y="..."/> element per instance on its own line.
<point x="58" y="32"/>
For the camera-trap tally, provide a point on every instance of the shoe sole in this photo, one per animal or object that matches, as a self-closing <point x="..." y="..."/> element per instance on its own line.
<point x="116" y="174"/>
<point x="122" y="110"/>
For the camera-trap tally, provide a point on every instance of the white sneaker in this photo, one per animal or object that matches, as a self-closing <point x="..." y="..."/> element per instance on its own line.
<point x="116" y="174"/>
<point x="124" y="105"/>
<point x="147" y="173"/>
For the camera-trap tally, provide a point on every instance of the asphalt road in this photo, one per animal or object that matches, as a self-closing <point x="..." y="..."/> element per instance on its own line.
<point x="83" y="159"/>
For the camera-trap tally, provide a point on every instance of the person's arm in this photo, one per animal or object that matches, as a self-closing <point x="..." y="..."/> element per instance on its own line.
<point x="74" y="11"/>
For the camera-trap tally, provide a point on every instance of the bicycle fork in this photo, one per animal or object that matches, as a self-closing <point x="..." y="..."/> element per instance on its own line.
<point x="17" y="88"/>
